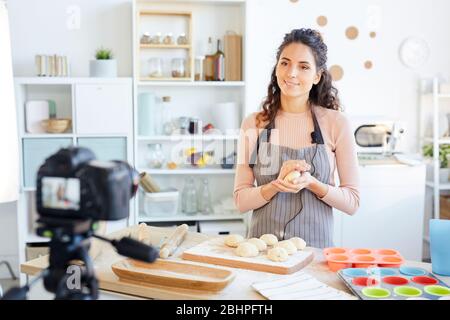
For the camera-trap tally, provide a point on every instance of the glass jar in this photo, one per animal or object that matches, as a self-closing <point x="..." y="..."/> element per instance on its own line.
<point x="155" y="156"/>
<point x="182" y="39"/>
<point x="145" y="38"/>
<point x="178" y="68"/>
<point x="204" y="198"/>
<point x="168" y="39"/>
<point x="156" y="39"/>
<point x="155" y="66"/>
<point x="198" y="75"/>
<point x="183" y="123"/>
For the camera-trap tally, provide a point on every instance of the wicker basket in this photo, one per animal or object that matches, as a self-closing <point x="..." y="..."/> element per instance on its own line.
<point x="56" y="125"/>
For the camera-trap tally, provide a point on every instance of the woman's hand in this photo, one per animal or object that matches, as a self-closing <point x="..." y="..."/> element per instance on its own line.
<point x="302" y="182"/>
<point x="291" y="165"/>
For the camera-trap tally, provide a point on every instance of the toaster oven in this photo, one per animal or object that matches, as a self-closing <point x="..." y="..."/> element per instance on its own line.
<point x="377" y="134"/>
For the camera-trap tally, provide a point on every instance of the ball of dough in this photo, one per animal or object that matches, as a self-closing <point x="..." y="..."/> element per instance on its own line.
<point x="233" y="240"/>
<point x="291" y="176"/>
<point x="277" y="254"/>
<point x="261" y="245"/>
<point x="288" y="246"/>
<point x="298" y="242"/>
<point x="269" y="239"/>
<point x="247" y="249"/>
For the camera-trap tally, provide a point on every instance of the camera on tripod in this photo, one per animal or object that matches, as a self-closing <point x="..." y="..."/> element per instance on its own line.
<point x="73" y="192"/>
<point x="72" y="184"/>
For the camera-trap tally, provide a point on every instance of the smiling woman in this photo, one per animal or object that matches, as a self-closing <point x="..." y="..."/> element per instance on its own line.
<point x="300" y="128"/>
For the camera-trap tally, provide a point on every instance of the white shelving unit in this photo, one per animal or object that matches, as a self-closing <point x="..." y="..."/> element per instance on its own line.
<point x="437" y="141"/>
<point x="107" y="101"/>
<point x="189" y="98"/>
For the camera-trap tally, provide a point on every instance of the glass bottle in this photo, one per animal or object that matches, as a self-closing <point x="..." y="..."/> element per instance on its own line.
<point x="204" y="198"/>
<point x="189" y="197"/>
<point x="219" y="63"/>
<point x="155" y="156"/>
<point x="208" y="63"/>
<point x="198" y="75"/>
<point x="167" y="123"/>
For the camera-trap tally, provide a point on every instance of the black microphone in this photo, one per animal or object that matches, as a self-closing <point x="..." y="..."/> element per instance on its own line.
<point x="314" y="137"/>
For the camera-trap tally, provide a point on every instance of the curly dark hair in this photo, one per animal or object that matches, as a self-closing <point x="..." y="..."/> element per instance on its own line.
<point x="323" y="94"/>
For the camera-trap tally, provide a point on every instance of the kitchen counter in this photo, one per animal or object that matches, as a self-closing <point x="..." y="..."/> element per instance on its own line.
<point x="239" y="289"/>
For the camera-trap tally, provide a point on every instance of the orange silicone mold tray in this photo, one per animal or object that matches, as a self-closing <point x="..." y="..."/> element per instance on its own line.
<point x="340" y="258"/>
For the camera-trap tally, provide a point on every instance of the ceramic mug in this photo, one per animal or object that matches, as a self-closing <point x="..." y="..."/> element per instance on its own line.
<point x="440" y="246"/>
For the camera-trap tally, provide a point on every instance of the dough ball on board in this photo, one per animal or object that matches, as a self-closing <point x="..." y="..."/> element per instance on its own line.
<point x="298" y="242"/>
<point x="277" y="254"/>
<point x="247" y="249"/>
<point x="269" y="239"/>
<point x="261" y="245"/>
<point x="291" y="176"/>
<point x="288" y="246"/>
<point x="233" y="240"/>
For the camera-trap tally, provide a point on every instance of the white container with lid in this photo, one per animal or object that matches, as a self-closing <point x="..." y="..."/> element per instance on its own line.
<point x="161" y="204"/>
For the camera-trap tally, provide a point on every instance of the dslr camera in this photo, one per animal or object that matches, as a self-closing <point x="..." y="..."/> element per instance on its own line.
<point x="71" y="184"/>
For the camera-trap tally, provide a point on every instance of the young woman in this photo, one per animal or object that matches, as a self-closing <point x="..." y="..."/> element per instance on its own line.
<point x="300" y="128"/>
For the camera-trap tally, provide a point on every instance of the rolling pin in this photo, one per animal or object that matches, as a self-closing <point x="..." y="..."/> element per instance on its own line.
<point x="174" y="240"/>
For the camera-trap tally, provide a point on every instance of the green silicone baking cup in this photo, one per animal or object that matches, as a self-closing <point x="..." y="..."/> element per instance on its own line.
<point x="437" y="290"/>
<point x="377" y="293"/>
<point x="407" y="291"/>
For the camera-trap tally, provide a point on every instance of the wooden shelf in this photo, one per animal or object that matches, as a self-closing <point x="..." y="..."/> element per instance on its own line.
<point x="70" y="80"/>
<point x="164" y="13"/>
<point x="194" y="217"/>
<point x="188" y="137"/>
<point x="192" y="83"/>
<point x="165" y="79"/>
<point x="187" y="171"/>
<point x="165" y="46"/>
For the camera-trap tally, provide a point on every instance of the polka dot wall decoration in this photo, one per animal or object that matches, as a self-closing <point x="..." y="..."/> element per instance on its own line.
<point x="368" y="64"/>
<point x="373" y="34"/>
<point x="293" y="1"/>
<point x="352" y="33"/>
<point x="322" y="21"/>
<point x="337" y="73"/>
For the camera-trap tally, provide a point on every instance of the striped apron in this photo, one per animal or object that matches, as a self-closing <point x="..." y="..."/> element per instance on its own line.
<point x="287" y="214"/>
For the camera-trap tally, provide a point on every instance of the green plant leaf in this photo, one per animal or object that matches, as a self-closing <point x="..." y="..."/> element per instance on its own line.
<point x="103" y="54"/>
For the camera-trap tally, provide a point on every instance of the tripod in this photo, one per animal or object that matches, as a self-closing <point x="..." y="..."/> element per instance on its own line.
<point x="70" y="274"/>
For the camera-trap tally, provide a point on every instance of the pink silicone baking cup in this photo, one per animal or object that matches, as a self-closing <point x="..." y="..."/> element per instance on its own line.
<point x="340" y="258"/>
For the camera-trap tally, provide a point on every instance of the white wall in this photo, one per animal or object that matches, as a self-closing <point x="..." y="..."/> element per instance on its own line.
<point x="389" y="88"/>
<point x="53" y="27"/>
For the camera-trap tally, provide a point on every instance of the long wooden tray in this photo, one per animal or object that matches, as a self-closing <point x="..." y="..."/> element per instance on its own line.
<point x="214" y="251"/>
<point x="173" y="274"/>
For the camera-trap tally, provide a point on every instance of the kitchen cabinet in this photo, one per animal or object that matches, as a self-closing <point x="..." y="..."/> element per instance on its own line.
<point x="101" y="114"/>
<point x="391" y="212"/>
<point x="189" y="98"/>
<point x="103" y="108"/>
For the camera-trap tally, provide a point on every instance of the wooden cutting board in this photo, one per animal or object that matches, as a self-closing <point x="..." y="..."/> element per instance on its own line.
<point x="173" y="274"/>
<point x="215" y="251"/>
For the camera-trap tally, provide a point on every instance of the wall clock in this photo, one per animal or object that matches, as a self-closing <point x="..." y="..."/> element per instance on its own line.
<point x="414" y="52"/>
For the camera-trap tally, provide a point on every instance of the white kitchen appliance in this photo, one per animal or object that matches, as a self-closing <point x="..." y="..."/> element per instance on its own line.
<point x="377" y="134"/>
<point x="35" y="112"/>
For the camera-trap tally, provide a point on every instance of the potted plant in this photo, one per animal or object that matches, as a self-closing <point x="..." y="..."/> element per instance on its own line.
<point x="444" y="159"/>
<point x="104" y="65"/>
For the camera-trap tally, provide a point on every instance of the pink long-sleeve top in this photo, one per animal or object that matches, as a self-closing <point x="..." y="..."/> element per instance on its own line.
<point x="293" y="130"/>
